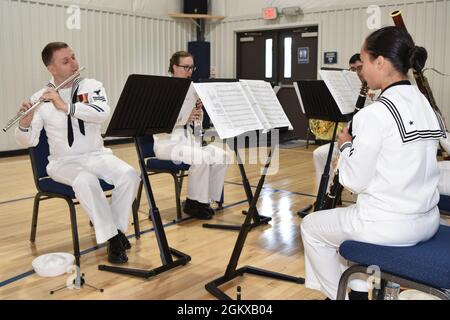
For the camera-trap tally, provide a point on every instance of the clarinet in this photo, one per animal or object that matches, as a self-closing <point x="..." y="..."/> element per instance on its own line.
<point x="332" y="197"/>
<point x="197" y="130"/>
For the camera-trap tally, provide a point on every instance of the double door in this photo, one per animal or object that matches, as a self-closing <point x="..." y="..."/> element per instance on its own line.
<point x="281" y="57"/>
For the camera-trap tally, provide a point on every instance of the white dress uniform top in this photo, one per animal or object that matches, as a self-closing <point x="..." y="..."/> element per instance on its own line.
<point x="320" y="154"/>
<point x="392" y="166"/>
<point x="208" y="165"/>
<point x="78" y="157"/>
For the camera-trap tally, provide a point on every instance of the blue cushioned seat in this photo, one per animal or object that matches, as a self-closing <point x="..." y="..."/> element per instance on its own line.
<point x="157" y="166"/>
<point x="444" y="203"/>
<point x="426" y="263"/>
<point x="51" y="186"/>
<point x="166" y="165"/>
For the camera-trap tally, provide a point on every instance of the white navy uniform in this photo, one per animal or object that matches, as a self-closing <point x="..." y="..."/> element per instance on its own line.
<point x="78" y="157"/>
<point x="208" y="165"/>
<point x="320" y="154"/>
<point x="391" y="164"/>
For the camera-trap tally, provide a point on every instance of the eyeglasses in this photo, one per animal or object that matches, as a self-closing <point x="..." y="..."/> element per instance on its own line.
<point x="356" y="69"/>
<point x="187" y="68"/>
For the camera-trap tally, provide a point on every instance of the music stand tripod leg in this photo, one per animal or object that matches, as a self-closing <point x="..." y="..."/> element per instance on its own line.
<point x="231" y="271"/>
<point x="256" y="217"/>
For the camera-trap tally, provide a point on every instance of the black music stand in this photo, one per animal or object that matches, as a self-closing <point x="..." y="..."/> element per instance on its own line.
<point x="318" y="103"/>
<point x="256" y="217"/>
<point x="149" y="105"/>
<point x="231" y="272"/>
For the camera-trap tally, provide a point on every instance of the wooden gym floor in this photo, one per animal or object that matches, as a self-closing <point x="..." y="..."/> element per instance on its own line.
<point x="276" y="246"/>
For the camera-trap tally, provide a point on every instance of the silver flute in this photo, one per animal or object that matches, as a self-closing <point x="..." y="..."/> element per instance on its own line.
<point x="23" y="114"/>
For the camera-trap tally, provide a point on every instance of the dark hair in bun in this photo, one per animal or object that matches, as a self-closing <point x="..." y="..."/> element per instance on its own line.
<point x="396" y="45"/>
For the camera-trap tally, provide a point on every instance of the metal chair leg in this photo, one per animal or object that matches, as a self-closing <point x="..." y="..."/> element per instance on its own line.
<point x="74" y="226"/>
<point x="177" y="196"/>
<point x="37" y="199"/>
<point x="343" y="281"/>
<point x="137" y="232"/>
<point x="139" y="195"/>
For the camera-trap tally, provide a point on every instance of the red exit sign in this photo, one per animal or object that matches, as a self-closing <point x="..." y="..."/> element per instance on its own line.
<point x="270" y="13"/>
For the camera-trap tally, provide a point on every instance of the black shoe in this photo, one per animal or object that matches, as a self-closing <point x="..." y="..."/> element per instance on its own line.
<point x="197" y="210"/>
<point x="205" y="213"/>
<point x="190" y="207"/>
<point x="123" y="238"/>
<point x="116" y="251"/>
<point x="358" y="295"/>
<point x="205" y="208"/>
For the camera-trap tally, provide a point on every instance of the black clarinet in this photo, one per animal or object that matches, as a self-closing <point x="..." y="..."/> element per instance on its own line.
<point x="332" y="197"/>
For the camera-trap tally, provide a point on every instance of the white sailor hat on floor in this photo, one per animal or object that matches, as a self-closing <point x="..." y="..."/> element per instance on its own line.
<point x="53" y="264"/>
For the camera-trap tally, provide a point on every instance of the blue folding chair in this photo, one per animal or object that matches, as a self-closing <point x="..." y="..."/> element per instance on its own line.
<point x="444" y="205"/>
<point x="48" y="188"/>
<point x="156" y="166"/>
<point x="424" y="266"/>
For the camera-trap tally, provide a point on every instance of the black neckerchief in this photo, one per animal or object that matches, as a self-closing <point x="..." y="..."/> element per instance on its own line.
<point x="70" y="136"/>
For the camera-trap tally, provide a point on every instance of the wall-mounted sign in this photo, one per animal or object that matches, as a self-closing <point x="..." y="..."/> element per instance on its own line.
<point x="330" y="58"/>
<point x="303" y="55"/>
<point x="270" y="13"/>
<point x="247" y="39"/>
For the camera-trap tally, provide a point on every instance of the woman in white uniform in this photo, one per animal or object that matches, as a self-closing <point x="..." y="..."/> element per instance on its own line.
<point x="208" y="164"/>
<point x="389" y="161"/>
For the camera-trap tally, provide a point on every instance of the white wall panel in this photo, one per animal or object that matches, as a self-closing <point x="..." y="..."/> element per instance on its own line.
<point x="110" y="44"/>
<point x="122" y="37"/>
<point x="343" y="30"/>
<point x="155" y="8"/>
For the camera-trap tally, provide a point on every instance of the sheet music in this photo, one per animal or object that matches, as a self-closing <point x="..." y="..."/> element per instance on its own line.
<point x="344" y="86"/>
<point x="353" y="80"/>
<point x="228" y="107"/>
<point x="299" y="96"/>
<point x="188" y="106"/>
<point x="266" y="104"/>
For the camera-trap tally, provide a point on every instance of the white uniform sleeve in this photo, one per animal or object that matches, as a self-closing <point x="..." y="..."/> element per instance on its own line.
<point x="445" y="143"/>
<point x="95" y="110"/>
<point x="358" y="162"/>
<point x="29" y="137"/>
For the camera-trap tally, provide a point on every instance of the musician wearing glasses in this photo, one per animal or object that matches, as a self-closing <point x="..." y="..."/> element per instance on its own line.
<point x="72" y="119"/>
<point x="389" y="161"/>
<point x="208" y="165"/>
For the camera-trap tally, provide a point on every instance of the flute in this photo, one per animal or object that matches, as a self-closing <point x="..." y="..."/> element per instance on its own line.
<point x="23" y="114"/>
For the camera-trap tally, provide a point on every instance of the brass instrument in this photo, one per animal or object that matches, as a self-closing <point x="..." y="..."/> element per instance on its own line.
<point x="323" y="130"/>
<point x="23" y="114"/>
